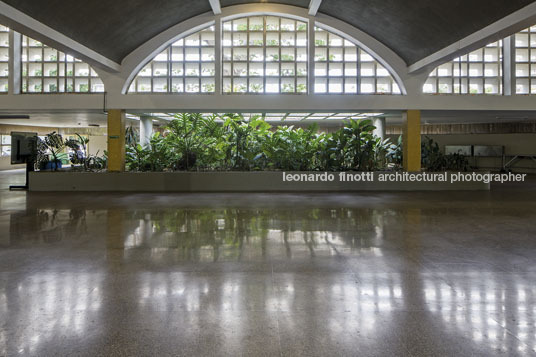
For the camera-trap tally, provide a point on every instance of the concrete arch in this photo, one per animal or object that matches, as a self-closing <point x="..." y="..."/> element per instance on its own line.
<point x="135" y="61"/>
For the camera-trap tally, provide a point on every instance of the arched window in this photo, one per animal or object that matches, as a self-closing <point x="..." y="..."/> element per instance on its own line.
<point x="479" y="72"/>
<point x="525" y="57"/>
<point x="264" y="54"/>
<point x="343" y="67"/>
<point x="47" y="70"/>
<point x="4" y="59"/>
<point x="187" y="66"/>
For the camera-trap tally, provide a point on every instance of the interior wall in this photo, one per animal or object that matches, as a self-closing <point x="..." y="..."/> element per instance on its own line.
<point x="5" y="161"/>
<point x="97" y="139"/>
<point x="97" y="144"/>
<point x="515" y="144"/>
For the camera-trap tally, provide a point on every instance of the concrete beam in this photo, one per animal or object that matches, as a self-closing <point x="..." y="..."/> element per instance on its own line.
<point x="27" y="25"/>
<point x="314" y="6"/>
<point x="505" y="27"/>
<point x="216" y="6"/>
<point x="153" y="103"/>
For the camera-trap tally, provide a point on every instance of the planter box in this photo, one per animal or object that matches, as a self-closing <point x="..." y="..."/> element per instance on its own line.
<point x="268" y="181"/>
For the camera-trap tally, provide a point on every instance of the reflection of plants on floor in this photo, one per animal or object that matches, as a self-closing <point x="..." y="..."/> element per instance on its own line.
<point x="212" y="235"/>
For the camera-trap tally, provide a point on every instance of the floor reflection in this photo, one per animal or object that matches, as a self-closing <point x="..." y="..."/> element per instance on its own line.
<point x="293" y="280"/>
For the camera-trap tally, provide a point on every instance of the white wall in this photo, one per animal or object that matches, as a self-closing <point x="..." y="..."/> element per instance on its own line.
<point x="97" y="145"/>
<point x="514" y="144"/>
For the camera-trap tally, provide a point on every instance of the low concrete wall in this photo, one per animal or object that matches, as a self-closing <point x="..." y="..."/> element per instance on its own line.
<point x="226" y="182"/>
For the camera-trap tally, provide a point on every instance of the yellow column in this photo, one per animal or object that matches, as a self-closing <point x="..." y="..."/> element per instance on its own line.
<point x="116" y="140"/>
<point x="412" y="140"/>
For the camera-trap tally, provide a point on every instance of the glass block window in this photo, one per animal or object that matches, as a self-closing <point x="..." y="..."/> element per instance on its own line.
<point x="525" y="57"/>
<point x="187" y="66"/>
<point x="479" y="72"/>
<point x="342" y="67"/>
<point x="47" y="70"/>
<point x="4" y="59"/>
<point x="264" y="54"/>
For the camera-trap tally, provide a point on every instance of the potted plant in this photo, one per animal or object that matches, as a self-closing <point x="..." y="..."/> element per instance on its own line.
<point x="52" y="145"/>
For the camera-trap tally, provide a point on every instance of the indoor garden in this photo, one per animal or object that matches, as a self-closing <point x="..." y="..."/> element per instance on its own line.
<point x="193" y="142"/>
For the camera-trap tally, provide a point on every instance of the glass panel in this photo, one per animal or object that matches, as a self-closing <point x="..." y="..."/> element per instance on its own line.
<point x="466" y="74"/>
<point x="343" y="67"/>
<point x="187" y="66"/>
<point x="268" y="54"/>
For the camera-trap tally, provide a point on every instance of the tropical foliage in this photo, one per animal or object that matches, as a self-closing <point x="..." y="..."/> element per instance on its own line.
<point x="433" y="158"/>
<point x="229" y="142"/>
<point x="53" y="146"/>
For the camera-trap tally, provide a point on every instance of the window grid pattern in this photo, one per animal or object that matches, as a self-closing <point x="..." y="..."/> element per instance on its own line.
<point x="341" y="67"/>
<point x="4" y="59"/>
<point x="479" y="72"/>
<point x="47" y="70"/>
<point x="525" y="57"/>
<point x="264" y="54"/>
<point x="187" y="66"/>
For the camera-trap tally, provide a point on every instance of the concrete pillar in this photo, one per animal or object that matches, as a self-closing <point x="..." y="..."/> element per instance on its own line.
<point x="116" y="140"/>
<point x="146" y="131"/>
<point x="15" y="70"/>
<point x="379" y="123"/>
<point x="412" y="140"/>
<point x="509" y="65"/>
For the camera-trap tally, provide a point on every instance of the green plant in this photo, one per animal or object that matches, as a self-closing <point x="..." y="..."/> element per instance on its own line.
<point x="395" y="154"/>
<point x="243" y="142"/>
<point x="240" y="88"/>
<point x="359" y="144"/>
<point x="255" y="88"/>
<point x="292" y="149"/>
<point x="286" y="57"/>
<point x="256" y="27"/>
<point x="301" y="88"/>
<point x="433" y="158"/>
<point x="208" y="88"/>
<point x="191" y="138"/>
<point x="53" y="144"/>
<point x="131" y="136"/>
<point x="194" y="142"/>
<point x="79" y="155"/>
<point x="287" y="88"/>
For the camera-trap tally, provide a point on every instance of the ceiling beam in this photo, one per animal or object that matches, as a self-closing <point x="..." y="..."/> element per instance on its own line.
<point x="20" y="22"/>
<point x="314" y="6"/>
<point x="499" y="30"/>
<point x="216" y="6"/>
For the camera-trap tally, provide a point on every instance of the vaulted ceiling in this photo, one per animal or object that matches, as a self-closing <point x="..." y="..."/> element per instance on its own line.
<point x="413" y="29"/>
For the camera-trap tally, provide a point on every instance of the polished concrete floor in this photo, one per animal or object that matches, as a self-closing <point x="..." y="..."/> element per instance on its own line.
<point x="376" y="274"/>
